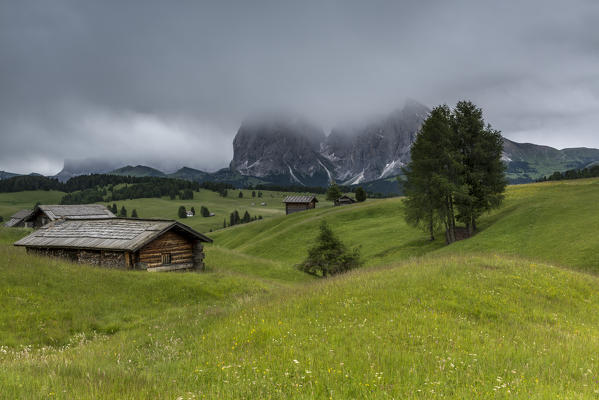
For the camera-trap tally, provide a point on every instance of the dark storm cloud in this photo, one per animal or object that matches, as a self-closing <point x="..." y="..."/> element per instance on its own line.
<point x="167" y="83"/>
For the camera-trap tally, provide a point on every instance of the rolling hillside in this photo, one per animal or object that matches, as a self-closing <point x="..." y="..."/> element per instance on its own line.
<point x="512" y="312"/>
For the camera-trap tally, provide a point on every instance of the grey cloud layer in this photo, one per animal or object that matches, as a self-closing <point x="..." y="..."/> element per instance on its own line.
<point x="169" y="82"/>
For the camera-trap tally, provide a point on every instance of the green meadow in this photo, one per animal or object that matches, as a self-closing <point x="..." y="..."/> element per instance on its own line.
<point x="511" y="313"/>
<point x="166" y="208"/>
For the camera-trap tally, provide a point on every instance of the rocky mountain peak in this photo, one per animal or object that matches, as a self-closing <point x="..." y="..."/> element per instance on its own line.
<point x="299" y="150"/>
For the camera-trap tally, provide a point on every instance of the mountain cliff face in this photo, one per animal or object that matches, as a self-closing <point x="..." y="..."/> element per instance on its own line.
<point x="296" y="151"/>
<point x="286" y="149"/>
<point x="376" y="150"/>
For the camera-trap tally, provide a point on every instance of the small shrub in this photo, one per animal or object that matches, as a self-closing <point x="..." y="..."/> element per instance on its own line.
<point x="329" y="256"/>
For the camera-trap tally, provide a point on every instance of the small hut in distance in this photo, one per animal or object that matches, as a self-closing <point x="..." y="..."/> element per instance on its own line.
<point x="299" y="203"/>
<point x="343" y="200"/>
<point x="17" y="220"/>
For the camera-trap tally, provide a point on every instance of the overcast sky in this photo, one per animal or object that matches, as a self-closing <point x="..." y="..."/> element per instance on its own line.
<point x="168" y="83"/>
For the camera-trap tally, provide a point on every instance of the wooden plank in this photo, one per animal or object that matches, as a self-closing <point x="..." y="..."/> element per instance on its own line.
<point x="171" y="267"/>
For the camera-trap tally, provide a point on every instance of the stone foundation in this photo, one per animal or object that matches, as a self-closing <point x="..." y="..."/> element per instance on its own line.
<point x="112" y="259"/>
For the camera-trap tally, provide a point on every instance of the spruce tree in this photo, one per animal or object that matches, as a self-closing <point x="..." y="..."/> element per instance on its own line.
<point x="329" y="256"/>
<point x="333" y="192"/>
<point x="246" y="217"/>
<point x="240" y="194"/>
<point x="193" y="211"/>
<point x="114" y="209"/>
<point x="432" y="175"/>
<point x="182" y="213"/>
<point x="360" y="194"/>
<point x="134" y="213"/>
<point x="253" y="193"/>
<point x="123" y="212"/>
<point x="483" y="173"/>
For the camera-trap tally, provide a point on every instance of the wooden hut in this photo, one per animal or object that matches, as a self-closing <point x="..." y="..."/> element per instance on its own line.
<point x="153" y="245"/>
<point x="44" y="214"/>
<point x="344" y="200"/>
<point x="299" y="203"/>
<point x="17" y="220"/>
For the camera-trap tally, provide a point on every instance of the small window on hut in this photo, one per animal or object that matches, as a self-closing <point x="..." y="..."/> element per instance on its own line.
<point x="166" y="258"/>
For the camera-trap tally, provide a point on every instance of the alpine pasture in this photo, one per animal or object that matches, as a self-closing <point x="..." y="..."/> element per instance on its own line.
<point x="512" y="312"/>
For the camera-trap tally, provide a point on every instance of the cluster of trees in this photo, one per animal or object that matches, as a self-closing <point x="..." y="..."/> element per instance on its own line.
<point x="236" y="219"/>
<point x="122" y="212"/>
<point x="591" y="172"/>
<point x="85" y="196"/>
<point x="329" y="255"/>
<point x="456" y="173"/>
<point x="217" y="187"/>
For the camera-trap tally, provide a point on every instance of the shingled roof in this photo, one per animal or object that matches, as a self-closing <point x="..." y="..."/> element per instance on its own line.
<point x="17" y="217"/>
<point x="80" y="211"/>
<point x="300" y="199"/>
<point x="125" y="234"/>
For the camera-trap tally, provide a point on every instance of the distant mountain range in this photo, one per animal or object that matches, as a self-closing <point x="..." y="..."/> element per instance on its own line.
<point x="290" y="150"/>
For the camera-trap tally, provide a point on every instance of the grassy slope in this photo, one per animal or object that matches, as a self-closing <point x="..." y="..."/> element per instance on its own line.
<point x="10" y="203"/>
<point x="221" y="206"/>
<point x="555" y="222"/>
<point x="447" y="324"/>
<point x="166" y="208"/>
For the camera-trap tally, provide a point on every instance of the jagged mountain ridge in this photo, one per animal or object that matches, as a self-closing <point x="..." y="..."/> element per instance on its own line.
<point x="350" y="155"/>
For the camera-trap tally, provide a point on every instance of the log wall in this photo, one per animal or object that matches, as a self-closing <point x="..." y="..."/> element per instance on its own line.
<point x="290" y="208"/>
<point x="180" y="248"/>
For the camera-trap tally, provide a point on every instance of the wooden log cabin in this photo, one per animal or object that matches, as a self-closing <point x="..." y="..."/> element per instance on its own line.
<point x="344" y="200"/>
<point x="299" y="203"/>
<point x="17" y="220"/>
<point x="148" y="244"/>
<point x="44" y="214"/>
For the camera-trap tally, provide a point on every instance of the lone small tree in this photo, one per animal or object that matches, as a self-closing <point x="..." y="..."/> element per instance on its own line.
<point x="204" y="212"/>
<point x="114" y="209"/>
<point x="182" y="212"/>
<point x="240" y="194"/>
<point x="134" y="213"/>
<point x="360" y="194"/>
<point x="329" y="256"/>
<point x="333" y="192"/>
<point x="253" y="193"/>
<point x="246" y="217"/>
<point x="123" y="212"/>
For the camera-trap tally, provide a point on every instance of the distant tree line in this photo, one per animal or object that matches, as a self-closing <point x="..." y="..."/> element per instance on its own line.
<point x="591" y="172"/>
<point x="135" y="186"/>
